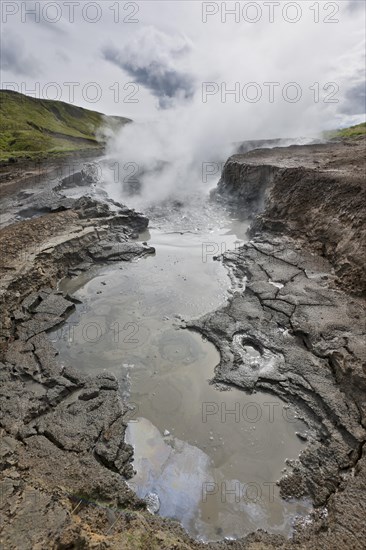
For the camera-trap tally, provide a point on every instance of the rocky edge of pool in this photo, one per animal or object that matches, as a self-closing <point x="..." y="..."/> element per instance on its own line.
<point x="292" y="326"/>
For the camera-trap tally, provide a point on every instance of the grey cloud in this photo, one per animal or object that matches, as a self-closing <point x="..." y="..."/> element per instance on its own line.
<point x="152" y="58"/>
<point x="62" y="56"/>
<point x="59" y="27"/>
<point x="354" y="5"/>
<point x="165" y="83"/>
<point x="355" y="100"/>
<point x="15" y="59"/>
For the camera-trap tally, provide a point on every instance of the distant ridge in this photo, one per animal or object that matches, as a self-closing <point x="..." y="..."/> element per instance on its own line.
<point x="33" y="128"/>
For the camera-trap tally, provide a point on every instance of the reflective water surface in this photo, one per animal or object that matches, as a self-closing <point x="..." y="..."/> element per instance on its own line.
<point x="206" y="457"/>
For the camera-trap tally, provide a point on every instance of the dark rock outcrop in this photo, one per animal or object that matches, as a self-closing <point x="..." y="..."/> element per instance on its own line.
<point x="314" y="193"/>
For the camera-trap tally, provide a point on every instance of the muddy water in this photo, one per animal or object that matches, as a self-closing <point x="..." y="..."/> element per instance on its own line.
<point x="206" y="457"/>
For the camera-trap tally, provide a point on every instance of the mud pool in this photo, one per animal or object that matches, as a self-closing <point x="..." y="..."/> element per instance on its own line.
<point x="208" y="458"/>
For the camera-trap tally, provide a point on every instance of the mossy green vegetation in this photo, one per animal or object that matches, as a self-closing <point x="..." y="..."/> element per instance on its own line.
<point x="351" y="132"/>
<point x="32" y="128"/>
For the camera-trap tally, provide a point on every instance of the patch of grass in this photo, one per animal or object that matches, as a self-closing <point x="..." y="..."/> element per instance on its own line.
<point x="33" y="127"/>
<point x="351" y="132"/>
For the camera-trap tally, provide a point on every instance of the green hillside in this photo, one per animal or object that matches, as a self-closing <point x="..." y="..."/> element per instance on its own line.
<point x="352" y="131"/>
<point x="32" y="128"/>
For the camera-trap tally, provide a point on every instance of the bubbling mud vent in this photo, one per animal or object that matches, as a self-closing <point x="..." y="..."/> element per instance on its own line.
<point x="206" y="456"/>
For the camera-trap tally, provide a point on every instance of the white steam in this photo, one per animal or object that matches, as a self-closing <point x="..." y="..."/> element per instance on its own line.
<point x="172" y="151"/>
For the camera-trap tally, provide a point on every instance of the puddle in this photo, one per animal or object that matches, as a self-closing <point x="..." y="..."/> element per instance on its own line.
<point x="205" y="457"/>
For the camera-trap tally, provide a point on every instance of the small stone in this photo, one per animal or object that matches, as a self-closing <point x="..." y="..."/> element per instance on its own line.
<point x="166" y="433"/>
<point x="153" y="503"/>
<point x="301" y="436"/>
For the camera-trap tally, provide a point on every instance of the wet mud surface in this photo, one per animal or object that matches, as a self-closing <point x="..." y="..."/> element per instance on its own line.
<point x="197" y="450"/>
<point x="290" y="328"/>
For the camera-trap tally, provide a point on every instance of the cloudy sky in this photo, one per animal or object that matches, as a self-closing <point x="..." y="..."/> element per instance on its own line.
<point x="196" y="77"/>
<point x="137" y="58"/>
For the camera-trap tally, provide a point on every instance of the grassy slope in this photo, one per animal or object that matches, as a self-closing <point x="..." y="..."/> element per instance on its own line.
<point x="32" y="127"/>
<point x="352" y="131"/>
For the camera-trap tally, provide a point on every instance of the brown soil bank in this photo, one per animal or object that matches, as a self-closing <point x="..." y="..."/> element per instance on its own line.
<point x="315" y="193"/>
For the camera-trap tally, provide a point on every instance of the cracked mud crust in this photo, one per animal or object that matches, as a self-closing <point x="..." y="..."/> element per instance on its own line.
<point x="312" y="354"/>
<point x="315" y="193"/>
<point x="64" y="462"/>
